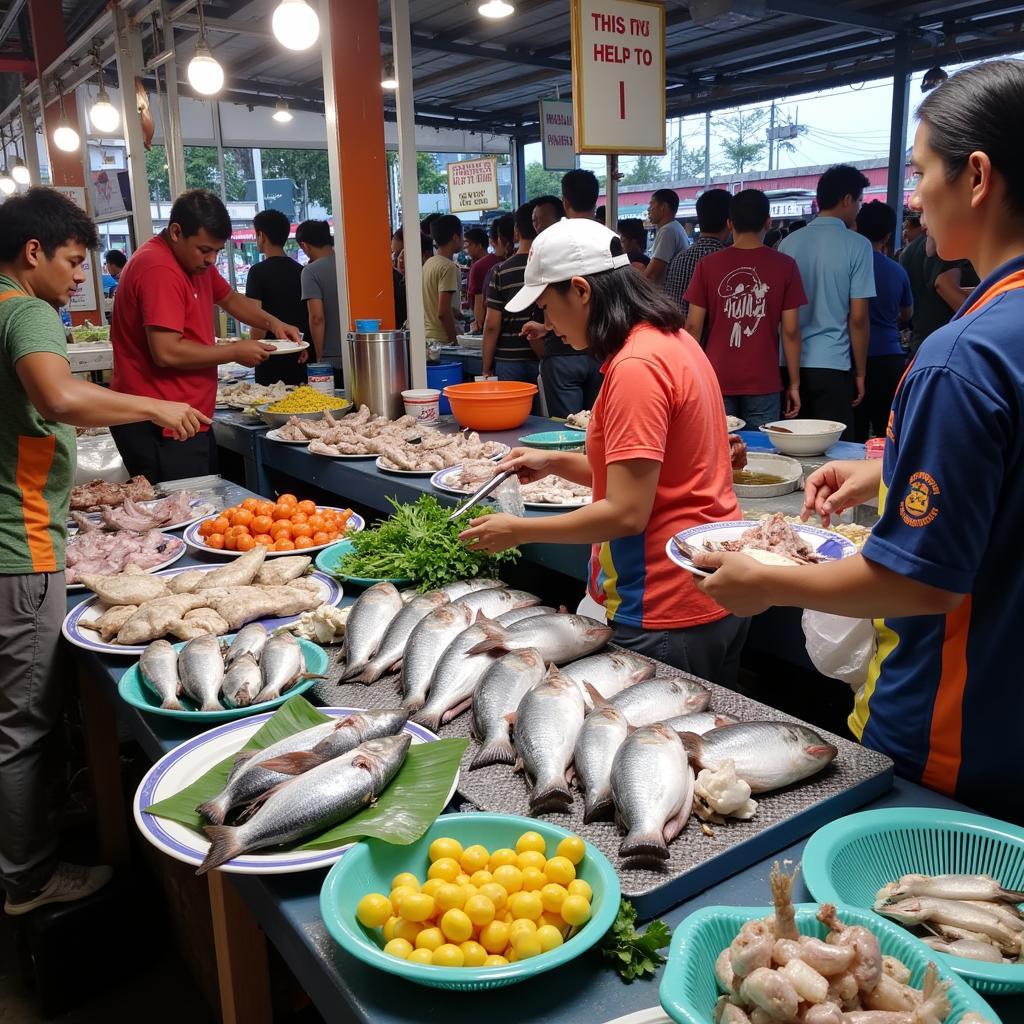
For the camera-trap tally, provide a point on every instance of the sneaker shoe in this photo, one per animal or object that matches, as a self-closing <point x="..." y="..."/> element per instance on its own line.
<point x="68" y="883"/>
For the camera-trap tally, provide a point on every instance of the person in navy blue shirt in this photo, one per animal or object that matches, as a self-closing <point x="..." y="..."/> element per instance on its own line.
<point x="893" y="302"/>
<point x="942" y="568"/>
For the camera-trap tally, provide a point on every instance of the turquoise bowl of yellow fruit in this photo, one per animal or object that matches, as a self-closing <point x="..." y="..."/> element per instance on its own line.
<point x="479" y="901"/>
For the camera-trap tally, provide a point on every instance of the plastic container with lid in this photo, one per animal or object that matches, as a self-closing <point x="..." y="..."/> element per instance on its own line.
<point x="320" y="376"/>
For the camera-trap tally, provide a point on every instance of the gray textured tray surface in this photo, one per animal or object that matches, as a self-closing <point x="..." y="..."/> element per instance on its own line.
<point x="497" y="788"/>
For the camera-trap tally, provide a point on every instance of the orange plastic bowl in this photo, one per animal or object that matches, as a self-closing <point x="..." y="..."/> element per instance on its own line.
<point x="491" y="404"/>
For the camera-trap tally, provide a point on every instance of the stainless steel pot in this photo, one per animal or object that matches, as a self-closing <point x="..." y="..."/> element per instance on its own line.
<point x="380" y="370"/>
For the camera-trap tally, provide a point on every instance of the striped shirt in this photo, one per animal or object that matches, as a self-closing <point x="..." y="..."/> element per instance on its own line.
<point x="506" y="280"/>
<point x="680" y="270"/>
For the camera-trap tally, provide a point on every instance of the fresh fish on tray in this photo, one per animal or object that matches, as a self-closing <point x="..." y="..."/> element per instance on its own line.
<point x="608" y="673"/>
<point x="495" y="601"/>
<point x="462" y="587"/>
<point x="368" y="621"/>
<point x="427" y="642"/>
<point x="515" y="615"/>
<point x="559" y="638"/>
<point x="314" y="801"/>
<point x="282" y="666"/>
<point x="392" y="645"/>
<point x="248" y="640"/>
<point x="242" y="681"/>
<point x="604" y="730"/>
<point x="158" y="668"/>
<point x="655" y="700"/>
<point x="503" y="686"/>
<point x="201" y="669"/>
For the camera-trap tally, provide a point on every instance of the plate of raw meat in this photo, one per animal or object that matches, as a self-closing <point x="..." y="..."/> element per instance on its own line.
<point x="96" y="551"/>
<point x="170" y="513"/>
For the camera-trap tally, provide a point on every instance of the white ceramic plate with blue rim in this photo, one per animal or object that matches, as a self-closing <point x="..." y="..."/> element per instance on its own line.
<point x="76" y="629"/>
<point x="176" y="549"/>
<point x="200" y="509"/>
<point x="355" y="523"/>
<point x="827" y="545"/>
<point x="443" y="477"/>
<point x="193" y="758"/>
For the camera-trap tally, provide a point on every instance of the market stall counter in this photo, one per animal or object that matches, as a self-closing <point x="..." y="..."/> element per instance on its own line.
<point x="240" y="433"/>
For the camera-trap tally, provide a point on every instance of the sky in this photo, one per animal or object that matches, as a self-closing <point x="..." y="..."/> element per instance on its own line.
<point x="862" y="111"/>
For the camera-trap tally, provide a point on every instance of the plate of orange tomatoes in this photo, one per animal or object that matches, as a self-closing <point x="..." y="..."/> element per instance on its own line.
<point x="284" y="526"/>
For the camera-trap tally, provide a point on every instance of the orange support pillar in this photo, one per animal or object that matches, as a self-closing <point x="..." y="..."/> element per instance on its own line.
<point x="355" y="64"/>
<point x="67" y="170"/>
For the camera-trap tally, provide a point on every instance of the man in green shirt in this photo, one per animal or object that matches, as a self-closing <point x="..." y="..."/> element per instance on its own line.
<point x="441" y="281"/>
<point x="44" y="241"/>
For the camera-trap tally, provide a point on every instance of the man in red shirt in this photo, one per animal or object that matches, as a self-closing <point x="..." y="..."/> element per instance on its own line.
<point x="746" y="293"/>
<point x="475" y="244"/>
<point x="162" y="334"/>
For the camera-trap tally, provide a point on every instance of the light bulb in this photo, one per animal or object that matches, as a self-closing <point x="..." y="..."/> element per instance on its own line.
<point x="296" y="24"/>
<point x="7" y="185"/>
<point x="20" y="173"/>
<point x="205" y="74"/>
<point x="496" y="9"/>
<point x="389" y="81"/>
<point x="281" y="113"/>
<point x="66" y="138"/>
<point x="104" y="116"/>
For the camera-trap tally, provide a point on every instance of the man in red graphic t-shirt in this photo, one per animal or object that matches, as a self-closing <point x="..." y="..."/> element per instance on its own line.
<point x="163" y="339"/>
<point x="745" y="294"/>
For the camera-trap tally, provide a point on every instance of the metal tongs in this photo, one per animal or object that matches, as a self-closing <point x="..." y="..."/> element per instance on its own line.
<point x="480" y="493"/>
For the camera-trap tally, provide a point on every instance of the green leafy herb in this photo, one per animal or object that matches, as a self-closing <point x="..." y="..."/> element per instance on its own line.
<point x="634" y="953"/>
<point x="402" y="813"/>
<point x="419" y="543"/>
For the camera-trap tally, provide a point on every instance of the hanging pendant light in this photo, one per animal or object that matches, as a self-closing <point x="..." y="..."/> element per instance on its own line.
<point x="64" y="136"/>
<point x="496" y="9"/>
<point x="388" y="79"/>
<point x="104" y="116"/>
<point x="281" y="114"/>
<point x="205" y="73"/>
<point x="7" y="184"/>
<point x="296" y="25"/>
<point x="20" y="172"/>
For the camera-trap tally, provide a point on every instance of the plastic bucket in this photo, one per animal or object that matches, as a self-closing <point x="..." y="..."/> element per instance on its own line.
<point x="440" y="375"/>
<point x="423" y="405"/>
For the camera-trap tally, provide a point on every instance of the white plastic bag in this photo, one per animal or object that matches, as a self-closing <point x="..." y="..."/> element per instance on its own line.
<point x="840" y="647"/>
<point x="99" y="459"/>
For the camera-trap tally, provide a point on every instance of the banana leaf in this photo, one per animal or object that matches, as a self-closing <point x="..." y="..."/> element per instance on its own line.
<point x="404" y="811"/>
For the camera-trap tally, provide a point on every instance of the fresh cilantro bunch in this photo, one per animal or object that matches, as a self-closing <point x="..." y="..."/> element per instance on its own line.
<point x="634" y="953"/>
<point x="417" y="542"/>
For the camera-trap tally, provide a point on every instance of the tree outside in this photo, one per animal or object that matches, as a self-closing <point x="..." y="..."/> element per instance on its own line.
<point x="431" y="180"/>
<point x="743" y="141"/>
<point x="307" y="167"/>
<point x="540" y="182"/>
<point x="647" y="170"/>
<point x="201" y="171"/>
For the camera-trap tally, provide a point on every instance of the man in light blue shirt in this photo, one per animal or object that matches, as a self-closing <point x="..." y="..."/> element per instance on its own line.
<point x="837" y="268"/>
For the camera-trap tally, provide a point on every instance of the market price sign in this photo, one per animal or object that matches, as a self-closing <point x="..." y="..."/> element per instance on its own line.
<point x="473" y="185"/>
<point x="558" y="144"/>
<point x="84" y="297"/>
<point x="618" y="76"/>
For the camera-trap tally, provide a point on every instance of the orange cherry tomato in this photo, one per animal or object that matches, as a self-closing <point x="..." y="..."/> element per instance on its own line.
<point x="220" y="524"/>
<point x="231" y="541"/>
<point x="303" y="542"/>
<point x="216" y="540"/>
<point x="243" y="517"/>
<point x="298" y="517"/>
<point x="302" y="530"/>
<point x="307" y="506"/>
<point x="206" y="528"/>
<point x="245" y="542"/>
<point x="287" y="499"/>
<point x="321" y="537"/>
<point x="261" y="524"/>
<point x="264" y="540"/>
<point x="283" y="544"/>
<point x="334" y="534"/>
<point x="264" y="508"/>
<point x="281" y="530"/>
<point x="282" y="512"/>
<point x="250" y="504"/>
<point x="316" y="521"/>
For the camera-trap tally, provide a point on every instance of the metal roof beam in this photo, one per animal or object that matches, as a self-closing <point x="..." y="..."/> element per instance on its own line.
<point x="836" y="14"/>
<point x="11" y="18"/>
<point x="420" y="41"/>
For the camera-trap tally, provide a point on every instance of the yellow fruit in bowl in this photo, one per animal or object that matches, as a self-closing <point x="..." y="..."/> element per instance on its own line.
<point x="416" y="906"/>
<point x="497" y="894"/>
<point x="398" y="892"/>
<point x="494" y="936"/>
<point x="389" y="927"/>
<point x="448" y="955"/>
<point x="430" y="938"/>
<point x="407" y="930"/>
<point x="527" y="945"/>
<point x="560" y="870"/>
<point x="572" y="848"/>
<point x="482" y="877"/>
<point x="420" y="956"/>
<point x="575" y="911"/>
<point x="399" y="948"/>
<point x="473" y="953"/>
<point x="480" y="910"/>
<point x="521" y="926"/>
<point x="449" y="895"/>
<point x="456" y="926"/>
<point x="552" y="895"/>
<point x="525" y="905"/>
<point x="406" y="878"/>
<point x="509" y="877"/>
<point x="531" y="841"/>
<point x="373" y="910"/>
<point x="579" y="887"/>
<point x="445" y="868"/>
<point x="431" y="885"/>
<point x="474" y="858"/>
<point x="444" y="848"/>
<point x="495" y="960"/>
<point x="534" y="879"/>
<point x="500" y="858"/>
<point x="549" y="937"/>
<point x="530" y="859"/>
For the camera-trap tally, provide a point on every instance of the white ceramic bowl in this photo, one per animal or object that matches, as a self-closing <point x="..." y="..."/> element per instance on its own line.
<point x="788" y="470"/>
<point x="803" y="437"/>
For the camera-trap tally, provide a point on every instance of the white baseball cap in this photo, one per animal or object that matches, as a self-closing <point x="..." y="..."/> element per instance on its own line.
<point x="574" y="247"/>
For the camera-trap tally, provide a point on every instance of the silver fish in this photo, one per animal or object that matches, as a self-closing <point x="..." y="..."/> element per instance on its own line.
<point x="766" y="755"/>
<point x="281" y="666"/>
<point x="655" y="700"/>
<point x="427" y="642"/>
<point x="392" y="645"/>
<point x="652" y="786"/>
<point x="453" y="591"/>
<point x="503" y="686"/>
<point x="248" y="640"/>
<point x="965" y="947"/>
<point x="367" y="623"/>
<point x="497" y="600"/>
<point x="201" y="669"/>
<point x="158" y="668"/>
<point x="559" y="638"/>
<point x="928" y="909"/>
<point x="255" y="771"/>
<point x="700" y="722"/>
<point x="604" y="730"/>
<point x="242" y="682"/>
<point x="609" y="672"/>
<point x="955" y="887"/>
<point x="316" y="800"/>
<point x="547" y="722"/>
<point x="457" y="675"/>
<point x="514" y="615"/>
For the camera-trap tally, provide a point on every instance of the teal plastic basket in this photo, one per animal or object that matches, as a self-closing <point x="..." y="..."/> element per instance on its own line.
<point x="556" y="440"/>
<point x="369" y="867"/>
<point x="851" y="858"/>
<point x="689" y="989"/>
